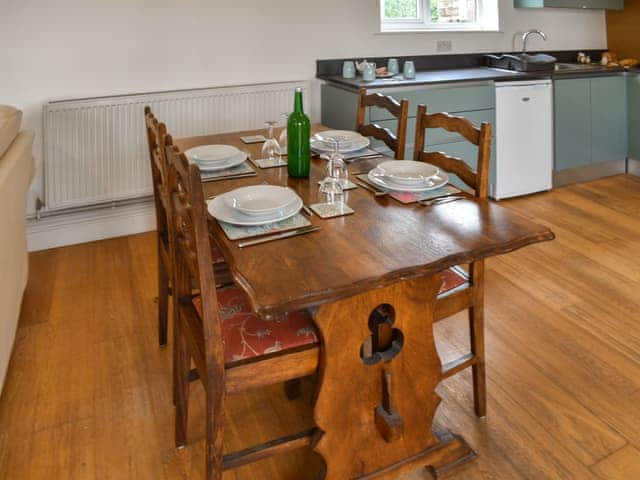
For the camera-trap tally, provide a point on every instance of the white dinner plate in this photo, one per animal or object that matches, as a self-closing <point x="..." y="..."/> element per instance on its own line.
<point x="349" y="141"/>
<point x="208" y="154"/>
<point x="260" y="200"/>
<point x="440" y="180"/>
<point x="239" y="158"/>
<point x="407" y="172"/>
<point x="343" y="136"/>
<point x="220" y="210"/>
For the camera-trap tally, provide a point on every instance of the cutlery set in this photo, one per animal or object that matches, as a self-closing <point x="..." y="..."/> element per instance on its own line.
<point x="233" y="177"/>
<point x="441" y="200"/>
<point x="375" y="191"/>
<point x="279" y="236"/>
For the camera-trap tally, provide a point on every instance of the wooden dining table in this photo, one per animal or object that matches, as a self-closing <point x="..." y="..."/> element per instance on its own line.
<point x="375" y="404"/>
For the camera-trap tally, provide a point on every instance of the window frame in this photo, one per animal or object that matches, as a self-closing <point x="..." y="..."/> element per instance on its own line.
<point x="424" y="24"/>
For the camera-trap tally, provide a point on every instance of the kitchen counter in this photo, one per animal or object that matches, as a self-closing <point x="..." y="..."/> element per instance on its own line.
<point x="584" y="71"/>
<point x="433" y="77"/>
<point x="434" y="70"/>
<point x="459" y="75"/>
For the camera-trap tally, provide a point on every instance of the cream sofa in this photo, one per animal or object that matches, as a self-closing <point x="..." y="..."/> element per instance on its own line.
<point x="16" y="173"/>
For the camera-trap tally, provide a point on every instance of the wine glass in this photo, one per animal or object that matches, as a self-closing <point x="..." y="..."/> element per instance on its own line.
<point x="337" y="166"/>
<point x="271" y="148"/>
<point x="283" y="139"/>
<point x="336" y="180"/>
<point x="332" y="190"/>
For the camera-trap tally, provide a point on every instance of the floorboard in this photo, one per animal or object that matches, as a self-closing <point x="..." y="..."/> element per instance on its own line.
<point x="88" y="394"/>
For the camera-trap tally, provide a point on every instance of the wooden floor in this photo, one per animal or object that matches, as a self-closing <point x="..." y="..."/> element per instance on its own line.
<point x="88" y="392"/>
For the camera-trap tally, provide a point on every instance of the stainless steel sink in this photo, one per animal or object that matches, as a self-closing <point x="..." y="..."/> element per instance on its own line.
<point x="569" y="67"/>
<point x="523" y="62"/>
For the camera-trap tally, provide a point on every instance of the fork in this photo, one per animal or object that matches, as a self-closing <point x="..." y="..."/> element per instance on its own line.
<point x="441" y="200"/>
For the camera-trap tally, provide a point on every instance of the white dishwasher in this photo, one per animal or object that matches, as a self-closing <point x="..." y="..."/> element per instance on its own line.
<point x="524" y="133"/>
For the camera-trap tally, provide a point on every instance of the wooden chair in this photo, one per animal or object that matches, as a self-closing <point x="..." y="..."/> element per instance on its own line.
<point x="399" y="110"/>
<point x="215" y="327"/>
<point x="156" y="133"/>
<point x="156" y="139"/>
<point x="469" y="295"/>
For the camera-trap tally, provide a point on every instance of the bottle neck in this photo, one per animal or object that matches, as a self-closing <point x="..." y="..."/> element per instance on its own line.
<point x="297" y="104"/>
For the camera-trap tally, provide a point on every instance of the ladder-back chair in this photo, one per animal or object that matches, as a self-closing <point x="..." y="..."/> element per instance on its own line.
<point x="232" y="348"/>
<point x="400" y="110"/>
<point x="470" y="295"/>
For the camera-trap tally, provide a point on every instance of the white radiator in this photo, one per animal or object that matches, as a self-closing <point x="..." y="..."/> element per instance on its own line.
<point x="95" y="150"/>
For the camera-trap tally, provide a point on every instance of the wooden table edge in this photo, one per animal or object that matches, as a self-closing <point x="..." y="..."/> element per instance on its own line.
<point x="320" y="298"/>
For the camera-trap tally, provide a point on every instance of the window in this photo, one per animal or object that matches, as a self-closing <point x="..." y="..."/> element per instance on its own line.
<point x="438" y="15"/>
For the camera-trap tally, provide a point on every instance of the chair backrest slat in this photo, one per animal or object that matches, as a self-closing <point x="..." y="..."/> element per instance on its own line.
<point x="477" y="179"/>
<point x="454" y="124"/>
<point x="156" y="135"/>
<point x="400" y="110"/>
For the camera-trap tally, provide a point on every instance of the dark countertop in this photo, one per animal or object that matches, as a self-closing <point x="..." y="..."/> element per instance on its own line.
<point x="591" y="71"/>
<point x="434" y="77"/>
<point x="459" y="75"/>
<point x="433" y="70"/>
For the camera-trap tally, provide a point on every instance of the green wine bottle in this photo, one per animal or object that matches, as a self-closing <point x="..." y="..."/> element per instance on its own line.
<point x="298" y="140"/>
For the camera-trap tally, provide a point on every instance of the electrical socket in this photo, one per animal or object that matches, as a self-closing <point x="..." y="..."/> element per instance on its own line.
<point x="444" y="45"/>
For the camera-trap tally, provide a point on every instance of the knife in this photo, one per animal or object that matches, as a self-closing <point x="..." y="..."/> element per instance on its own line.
<point x="377" y="193"/>
<point x="307" y="210"/>
<point x="279" y="236"/>
<point x="442" y="200"/>
<point x="230" y="177"/>
<point x="251" y="160"/>
<point x="364" y="157"/>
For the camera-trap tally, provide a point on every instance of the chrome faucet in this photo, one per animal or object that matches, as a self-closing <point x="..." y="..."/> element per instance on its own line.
<point x="525" y="37"/>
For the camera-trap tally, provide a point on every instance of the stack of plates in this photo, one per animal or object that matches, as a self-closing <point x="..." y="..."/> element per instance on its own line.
<point x="215" y="157"/>
<point x="255" y="205"/>
<point x="349" y="141"/>
<point x="408" y="176"/>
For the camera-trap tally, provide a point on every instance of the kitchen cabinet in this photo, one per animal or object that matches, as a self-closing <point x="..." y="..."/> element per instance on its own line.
<point x="475" y="102"/>
<point x="633" y="84"/>
<point x="590" y="121"/>
<point x="608" y="119"/>
<point x="572" y="123"/>
<point x="582" y="4"/>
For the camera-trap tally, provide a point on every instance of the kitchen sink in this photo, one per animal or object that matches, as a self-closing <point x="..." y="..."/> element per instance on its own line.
<point x="522" y="62"/>
<point x="570" y="67"/>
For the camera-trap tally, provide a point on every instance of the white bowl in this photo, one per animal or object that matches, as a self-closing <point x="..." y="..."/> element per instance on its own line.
<point x="407" y="172"/>
<point x="219" y="210"/>
<point x="349" y="141"/>
<point x="386" y="183"/>
<point x="234" y="161"/>
<point x="211" y="154"/>
<point x="260" y="200"/>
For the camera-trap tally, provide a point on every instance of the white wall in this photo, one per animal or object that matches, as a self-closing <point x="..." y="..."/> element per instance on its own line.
<point x="81" y="48"/>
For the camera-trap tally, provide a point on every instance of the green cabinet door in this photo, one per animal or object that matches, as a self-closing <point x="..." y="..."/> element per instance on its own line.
<point x="572" y="123"/>
<point x="634" y="116"/>
<point x="608" y="119"/>
<point x="339" y="108"/>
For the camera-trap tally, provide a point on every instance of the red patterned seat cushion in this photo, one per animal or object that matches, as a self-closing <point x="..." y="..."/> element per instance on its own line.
<point x="246" y="335"/>
<point x="452" y="279"/>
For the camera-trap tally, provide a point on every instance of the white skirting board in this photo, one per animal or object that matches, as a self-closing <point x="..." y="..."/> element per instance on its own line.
<point x="88" y="226"/>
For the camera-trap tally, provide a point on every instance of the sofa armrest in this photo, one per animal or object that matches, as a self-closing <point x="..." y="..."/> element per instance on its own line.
<point x="16" y="173"/>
